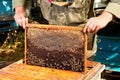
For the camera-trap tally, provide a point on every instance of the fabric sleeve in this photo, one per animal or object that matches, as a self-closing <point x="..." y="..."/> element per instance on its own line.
<point x="114" y="8"/>
<point x="16" y="3"/>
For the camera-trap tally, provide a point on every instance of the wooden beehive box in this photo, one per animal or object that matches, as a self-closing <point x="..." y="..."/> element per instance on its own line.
<point x="7" y="22"/>
<point x="59" y="47"/>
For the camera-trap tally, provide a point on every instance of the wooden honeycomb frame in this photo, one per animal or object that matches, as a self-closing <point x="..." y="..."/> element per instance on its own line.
<point x="32" y="47"/>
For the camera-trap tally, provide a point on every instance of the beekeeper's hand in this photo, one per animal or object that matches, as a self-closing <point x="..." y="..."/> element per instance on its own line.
<point x="96" y="23"/>
<point x="21" y="16"/>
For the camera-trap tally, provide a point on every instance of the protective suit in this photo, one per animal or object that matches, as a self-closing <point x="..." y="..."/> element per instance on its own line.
<point x="114" y="8"/>
<point x="73" y="13"/>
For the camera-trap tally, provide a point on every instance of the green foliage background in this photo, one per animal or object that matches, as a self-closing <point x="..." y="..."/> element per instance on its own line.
<point x="12" y="48"/>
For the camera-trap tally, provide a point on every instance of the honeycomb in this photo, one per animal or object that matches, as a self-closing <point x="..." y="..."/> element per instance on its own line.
<point x="55" y="48"/>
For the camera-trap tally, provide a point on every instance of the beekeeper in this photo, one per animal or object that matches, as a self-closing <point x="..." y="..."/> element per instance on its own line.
<point x="111" y="12"/>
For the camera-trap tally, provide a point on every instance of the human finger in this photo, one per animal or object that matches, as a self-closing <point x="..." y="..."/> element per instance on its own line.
<point x="86" y="27"/>
<point x="25" y="22"/>
<point x="18" y="20"/>
<point x="96" y="29"/>
<point x="91" y="25"/>
<point x="93" y="28"/>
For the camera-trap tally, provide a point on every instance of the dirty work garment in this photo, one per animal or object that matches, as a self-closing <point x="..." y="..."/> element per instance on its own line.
<point x="16" y="3"/>
<point x="114" y="8"/>
<point x="71" y="14"/>
<point x="75" y="13"/>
